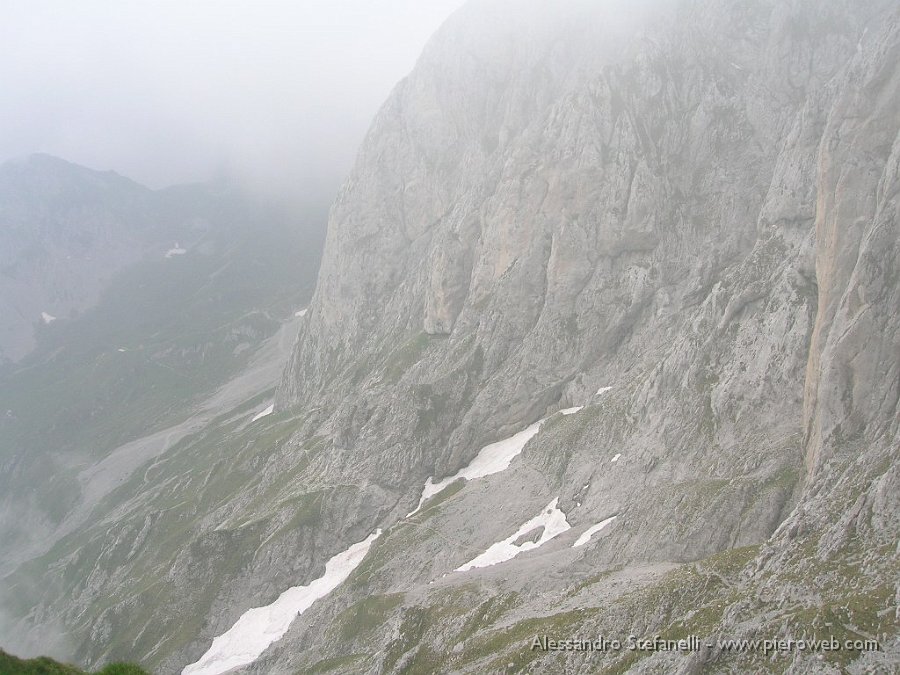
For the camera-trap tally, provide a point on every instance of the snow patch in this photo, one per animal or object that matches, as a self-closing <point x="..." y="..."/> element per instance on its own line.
<point x="175" y="250"/>
<point x="259" y="627"/>
<point x="602" y="390"/>
<point x="591" y="531"/>
<point x="551" y="519"/>
<point x="48" y="318"/>
<point x="571" y="411"/>
<point x="616" y="458"/>
<point x="302" y="312"/>
<point x="267" y="411"/>
<point x="491" y="459"/>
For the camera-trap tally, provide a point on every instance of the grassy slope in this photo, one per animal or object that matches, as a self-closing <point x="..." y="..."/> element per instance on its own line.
<point x="184" y="326"/>
<point x="11" y="665"/>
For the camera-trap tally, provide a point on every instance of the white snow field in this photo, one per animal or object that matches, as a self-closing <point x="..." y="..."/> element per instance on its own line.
<point x="263" y="413"/>
<point x="551" y="519"/>
<point x="491" y="459"/>
<point x="175" y="250"/>
<point x="571" y="411"/>
<point x="259" y="627"/>
<point x="301" y="312"/>
<point x="616" y="458"/>
<point x="48" y="318"/>
<point x="591" y="531"/>
<point x="602" y="390"/>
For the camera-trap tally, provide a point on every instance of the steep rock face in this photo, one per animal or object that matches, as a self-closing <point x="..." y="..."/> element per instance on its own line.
<point x="572" y="202"/>
<point x="852" y="378"/>
<point x="689" y="216"/>
<point x="562" y="198"/>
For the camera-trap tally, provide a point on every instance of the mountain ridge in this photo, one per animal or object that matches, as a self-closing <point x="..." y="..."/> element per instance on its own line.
<point x="691" y="241"/>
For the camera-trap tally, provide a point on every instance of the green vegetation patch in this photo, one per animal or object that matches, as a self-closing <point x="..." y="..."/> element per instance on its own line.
<point x="366" y="615"/>
<point x="390" y="546"/>
<point x="431" y="506"/>
<point x="461" y="617"/>
<point x="339" y="664"/>
<point x="12" y="665"/>
<point x="509" y="646"/>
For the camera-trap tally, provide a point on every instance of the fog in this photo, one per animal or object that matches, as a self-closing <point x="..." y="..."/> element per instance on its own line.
<point x="276" y="93"/>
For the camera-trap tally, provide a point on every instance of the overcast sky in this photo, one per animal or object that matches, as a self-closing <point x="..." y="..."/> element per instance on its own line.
<point x="167" y="91"/>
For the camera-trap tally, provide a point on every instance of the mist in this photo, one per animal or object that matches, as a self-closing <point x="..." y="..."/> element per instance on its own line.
<point x="275" y="94"/>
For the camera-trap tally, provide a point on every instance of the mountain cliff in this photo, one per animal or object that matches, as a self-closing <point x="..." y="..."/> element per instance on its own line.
<point x="696" y="208"/>
<point x="660" y="238"/>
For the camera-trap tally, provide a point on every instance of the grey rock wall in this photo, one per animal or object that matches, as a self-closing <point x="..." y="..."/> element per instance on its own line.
<point x="693" y="203"/>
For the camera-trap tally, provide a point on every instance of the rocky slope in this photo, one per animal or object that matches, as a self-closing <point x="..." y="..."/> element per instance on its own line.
<point x="681" y="216"/>
<point x="689" y="215"/>
<point x="171" y="341"/>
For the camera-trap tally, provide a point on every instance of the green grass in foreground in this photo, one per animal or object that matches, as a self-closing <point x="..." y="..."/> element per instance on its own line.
<point x="12" y="665"/>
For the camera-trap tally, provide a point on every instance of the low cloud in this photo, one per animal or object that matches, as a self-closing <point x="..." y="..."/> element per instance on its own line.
<point x="274" y="92"/>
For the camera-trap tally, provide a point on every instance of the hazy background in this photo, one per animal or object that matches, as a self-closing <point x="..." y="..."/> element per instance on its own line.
<point x="277" y="93"/>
